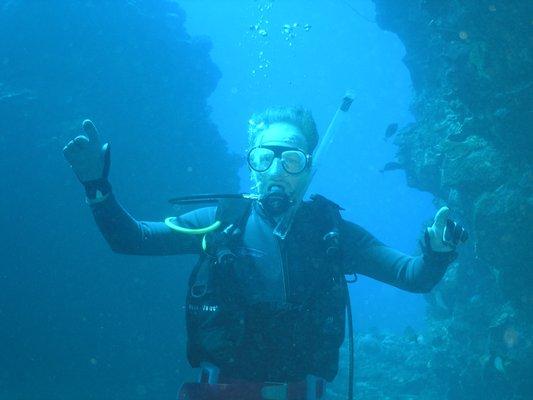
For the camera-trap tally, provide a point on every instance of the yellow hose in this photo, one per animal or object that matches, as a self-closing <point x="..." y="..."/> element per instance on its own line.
<point x="191" y="231"/>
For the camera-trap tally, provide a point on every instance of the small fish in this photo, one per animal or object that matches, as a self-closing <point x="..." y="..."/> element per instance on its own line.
<point x="457" y="137"/>
<point x="498" y="364"/>
<point x="420" y="339"/>
<point x="391" y="166"/>
<point x="463" y="35"/>
<point x="391" y="130"/>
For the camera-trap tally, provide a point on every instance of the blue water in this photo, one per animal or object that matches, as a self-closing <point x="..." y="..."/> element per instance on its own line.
<point x="342" y="50"/>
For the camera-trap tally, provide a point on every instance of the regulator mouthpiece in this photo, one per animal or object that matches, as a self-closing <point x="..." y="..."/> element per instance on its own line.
<point x="276" y="201"/>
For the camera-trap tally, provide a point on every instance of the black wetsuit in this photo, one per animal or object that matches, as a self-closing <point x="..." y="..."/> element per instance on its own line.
<point x="269" y="278"/>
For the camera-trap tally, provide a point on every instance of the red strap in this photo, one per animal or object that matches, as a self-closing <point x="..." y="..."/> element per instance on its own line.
<point x="247" y="391"/>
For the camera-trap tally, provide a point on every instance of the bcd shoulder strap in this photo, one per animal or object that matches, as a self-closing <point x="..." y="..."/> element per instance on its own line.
<point x="333" y="211"/>
<point x="232" y="214"/>
<point x="330" y="213"/>
<point x="213" y="312"/>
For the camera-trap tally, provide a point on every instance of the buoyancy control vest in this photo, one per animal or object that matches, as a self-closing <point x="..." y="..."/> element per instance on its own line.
<point x="270" y="341"/>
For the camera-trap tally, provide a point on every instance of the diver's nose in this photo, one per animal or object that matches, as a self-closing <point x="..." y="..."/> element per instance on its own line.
<point x="276" y="168"/>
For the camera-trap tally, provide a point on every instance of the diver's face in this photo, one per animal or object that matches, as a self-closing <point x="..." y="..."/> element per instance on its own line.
<point x="279" y="136"/>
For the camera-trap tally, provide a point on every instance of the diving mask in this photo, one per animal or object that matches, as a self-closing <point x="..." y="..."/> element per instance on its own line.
<point x="293" y="160"/>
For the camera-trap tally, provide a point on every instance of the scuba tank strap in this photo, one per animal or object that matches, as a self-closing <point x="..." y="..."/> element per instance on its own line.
<point x="233" y="211"/>
<point x="232" y="214"/>
<point x="332" y="237"/>
<point x="333" y="217"/>
<point x="212" y="304"/>
<point x="334" y="253"/>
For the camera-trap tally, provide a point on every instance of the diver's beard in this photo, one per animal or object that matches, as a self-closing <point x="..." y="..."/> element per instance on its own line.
<point x="275" y="201"/>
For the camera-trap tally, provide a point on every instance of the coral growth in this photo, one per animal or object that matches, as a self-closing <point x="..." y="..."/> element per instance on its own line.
<point x="470" y="63"/>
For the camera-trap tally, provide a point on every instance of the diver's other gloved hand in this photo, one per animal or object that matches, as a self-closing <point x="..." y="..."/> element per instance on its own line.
<point x="445" y="234"/>
<point x="90" y="161"/>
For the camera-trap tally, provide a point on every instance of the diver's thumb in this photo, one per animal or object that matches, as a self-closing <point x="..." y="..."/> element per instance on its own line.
<point x="106" y="156"/>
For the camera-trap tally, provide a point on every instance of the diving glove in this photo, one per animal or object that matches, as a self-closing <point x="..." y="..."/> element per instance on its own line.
<point x="445" y="234"/>
<point x="90" y="161"/>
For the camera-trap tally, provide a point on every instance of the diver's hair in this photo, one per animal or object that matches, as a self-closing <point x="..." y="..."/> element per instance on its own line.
<point x="297" y="116"/>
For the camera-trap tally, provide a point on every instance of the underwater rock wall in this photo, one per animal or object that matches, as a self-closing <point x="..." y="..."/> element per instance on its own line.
<point x="77" y="320"/>
<point x="129" y="66"/>
<point x="471" y="146"/>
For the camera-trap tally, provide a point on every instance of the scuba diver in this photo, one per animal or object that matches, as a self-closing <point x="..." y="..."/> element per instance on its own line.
<point x="267" y="300"/>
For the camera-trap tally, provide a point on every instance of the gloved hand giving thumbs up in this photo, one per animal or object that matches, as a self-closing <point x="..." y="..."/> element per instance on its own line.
<point x="90" y="161"/>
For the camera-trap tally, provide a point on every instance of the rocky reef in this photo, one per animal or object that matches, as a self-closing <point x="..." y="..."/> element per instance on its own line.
<point x="471" y="146"/>
<point x="129" y="66"/>
<point x="77" y="320"/>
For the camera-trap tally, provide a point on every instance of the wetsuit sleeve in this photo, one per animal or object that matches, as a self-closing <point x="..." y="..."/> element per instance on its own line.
<point x="364" y="254"/>
<point x="126" y="235"/>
